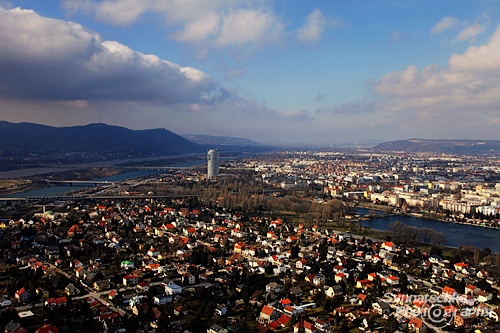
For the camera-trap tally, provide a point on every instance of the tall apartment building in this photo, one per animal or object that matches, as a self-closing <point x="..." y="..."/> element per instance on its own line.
<point x="212" y="163"/>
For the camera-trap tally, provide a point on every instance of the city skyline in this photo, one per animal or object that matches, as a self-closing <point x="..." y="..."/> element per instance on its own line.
<point x="296" y="72"/>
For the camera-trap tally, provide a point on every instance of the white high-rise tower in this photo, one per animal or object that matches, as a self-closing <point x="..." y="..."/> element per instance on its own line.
<point x="212" y="163"/>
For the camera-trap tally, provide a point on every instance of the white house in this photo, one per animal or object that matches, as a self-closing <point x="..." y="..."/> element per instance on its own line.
<point x="173" y="289"/>
<point x="334" y="291"/>
<point x="162" y="299"/>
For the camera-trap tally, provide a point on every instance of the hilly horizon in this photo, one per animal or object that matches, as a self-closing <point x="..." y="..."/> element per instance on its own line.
<point x="27" y="145"/>
<point x="207" y="140"/>
<point x="442" y="146"/>
<point x="101" y="141"/>
<point x="96" y="138"/>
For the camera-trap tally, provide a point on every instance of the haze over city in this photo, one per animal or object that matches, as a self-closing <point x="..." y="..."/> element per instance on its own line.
<point x="296" y="72"/>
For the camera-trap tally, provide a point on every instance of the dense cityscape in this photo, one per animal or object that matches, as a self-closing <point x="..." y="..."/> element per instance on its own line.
<point x="242" y="166"/>
<point x="277" y="242"/>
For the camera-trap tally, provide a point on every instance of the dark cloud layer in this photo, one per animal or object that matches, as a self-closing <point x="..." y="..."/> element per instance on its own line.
<point x="50" y="59"/>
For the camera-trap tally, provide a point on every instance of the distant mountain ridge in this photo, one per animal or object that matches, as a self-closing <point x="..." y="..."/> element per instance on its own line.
<point x="448" y="146"/>
<point x="220" y="140"/>
<point x="102" y="139"/>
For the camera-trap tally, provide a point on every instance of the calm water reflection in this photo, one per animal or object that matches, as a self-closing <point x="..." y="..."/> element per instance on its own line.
<point x="456" y="234"/>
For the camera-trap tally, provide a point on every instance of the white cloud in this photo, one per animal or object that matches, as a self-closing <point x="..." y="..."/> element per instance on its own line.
<point x="470" y="32"/>
<point x="200" y="29"/>
<point x="313" y="28"/>
<point x="479" y="58"/>
<point x="49" y="59"/>
<point x="223" y="22"/>
<point x="470" y="84"/>
<point x="245" y="25"/>
<point x="234" y="73"/>
<point x="445" y="23"/>
<point x="294" y="115"/>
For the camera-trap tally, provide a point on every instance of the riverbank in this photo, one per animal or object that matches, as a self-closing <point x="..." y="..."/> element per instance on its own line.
<point x="481" y="223"/>
<point x="455" y="234"/>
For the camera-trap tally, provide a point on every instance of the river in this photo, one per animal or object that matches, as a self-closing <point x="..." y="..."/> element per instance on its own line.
<point x="455" y="234"/>
<point x="58" y="190"/>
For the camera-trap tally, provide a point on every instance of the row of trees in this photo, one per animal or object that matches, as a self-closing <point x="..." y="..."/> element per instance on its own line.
<point x="406" y="234"/>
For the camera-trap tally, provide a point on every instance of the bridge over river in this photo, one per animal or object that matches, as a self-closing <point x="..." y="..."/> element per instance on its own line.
<point x="79" y="182"/>
<point x="92" y="197"/>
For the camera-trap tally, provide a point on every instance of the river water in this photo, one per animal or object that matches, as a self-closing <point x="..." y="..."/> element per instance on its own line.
<point x="455" y="234"/>
<point x="58" y="190"/>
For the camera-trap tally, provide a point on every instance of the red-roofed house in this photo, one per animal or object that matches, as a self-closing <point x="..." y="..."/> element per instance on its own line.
<point x="130" y="280"/>
<point x="389" y="246"/>
<point x="470" y="289"/>
<point x="285" y="302"/>
<point x="22" y="295"/>
<point x="284" y="320"/>
<point x="449" y="292"/>
<point x="392" y="280"/>
<point x="459" y="266"/>
<point x="238" y="247"/>
<point x="309" y="327"/>
<point x="340" y="276"/>
<point x="267" y="314"/>
<point x="364" y="284"/>
<point x="417" y="325"/>
<point x="56" y="302"/>
<point x="300" y="264"/>
<point x="46" y="328"/>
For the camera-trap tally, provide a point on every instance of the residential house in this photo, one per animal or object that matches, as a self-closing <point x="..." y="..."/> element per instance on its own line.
<point x="161" y="299"/>
<point x="267" y="315"/>
<point x="460" y="266"/>
<point x="130" y="280"/>
<point x="334" y="291"/>
<point x="71" y="290"/>
<point x="274" y="287"/>
<point x="220" y="310"/>
<point x="462" y="320"/>
<point x="301" y="264"/>
<point x="364" y="284"/>
<point x="449" y="293"/>
<point x="14" y="327"/>
<point x="295" y="292"/>
<point x="46" y="328"/>
<point x="4" y="302"/>
<point x="58" y="302"/>
<point x="22" y="295"/>
<point x="172" y="289"/>
<point x="319" y="280"/>
<point x="471" y="290"/>
<point x="179" y="310"/>
<point x="483" y="296"/>
<point x="392" y="280"/>
<point x="100" y="285"/>
<point x="417" y="325"/>
<point x="340" y="277"/>
<point x="495" y="314"/>
<point x="127" y="264"/>
<point x="189" y="279"/>
<point x="142" y="287"/>
<point x="381" y="308"/>
<point x="217" y="329"/>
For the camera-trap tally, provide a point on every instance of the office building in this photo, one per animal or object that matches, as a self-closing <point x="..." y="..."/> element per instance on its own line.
<point x="212" y="163"/>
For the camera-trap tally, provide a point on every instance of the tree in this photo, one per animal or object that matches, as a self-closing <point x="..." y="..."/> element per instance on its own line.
<point x="403" y="280"/>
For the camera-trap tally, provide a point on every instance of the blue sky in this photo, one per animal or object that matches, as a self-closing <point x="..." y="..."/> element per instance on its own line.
<point x="287" y="72"/>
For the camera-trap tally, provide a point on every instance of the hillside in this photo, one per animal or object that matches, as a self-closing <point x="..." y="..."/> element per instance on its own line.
<point x="468" y="147"/>
<point x="211" y="140"/>
<point x="26" y="143"/>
